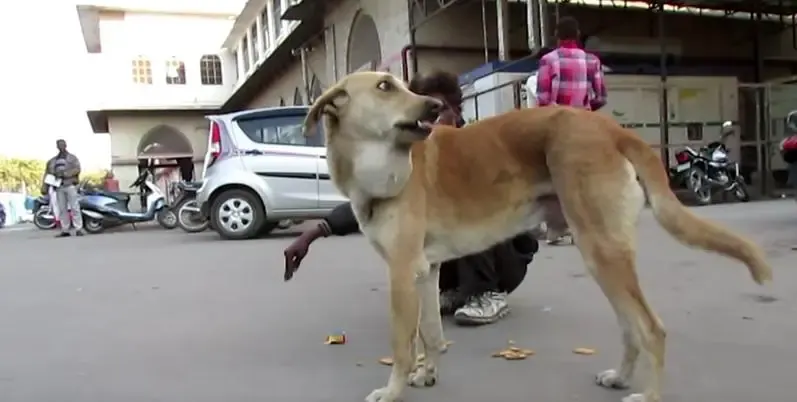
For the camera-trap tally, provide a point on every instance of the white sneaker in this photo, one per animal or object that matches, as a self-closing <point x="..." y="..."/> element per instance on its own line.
<point x="486" y="308"/>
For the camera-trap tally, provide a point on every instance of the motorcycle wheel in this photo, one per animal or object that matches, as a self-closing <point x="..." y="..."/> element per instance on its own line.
<point x="166" y="218"/>
<point x="187" y="218"/>
<point x="696" y="183"/>
<point x="41" y="221"/>
<point x="740" y="191"/>
<point x="92" y="225"/>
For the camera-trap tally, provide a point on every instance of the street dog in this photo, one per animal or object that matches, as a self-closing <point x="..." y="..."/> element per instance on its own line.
<point x="424" y="194"/>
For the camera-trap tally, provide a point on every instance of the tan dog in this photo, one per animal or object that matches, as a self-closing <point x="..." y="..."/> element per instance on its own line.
<point x="423" y="199"/>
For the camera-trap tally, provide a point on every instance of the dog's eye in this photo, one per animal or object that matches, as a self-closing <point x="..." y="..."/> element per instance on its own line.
<point x="385" y="86"/>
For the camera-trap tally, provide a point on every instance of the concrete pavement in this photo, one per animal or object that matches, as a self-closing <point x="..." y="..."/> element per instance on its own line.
<point x="166" y="316"/>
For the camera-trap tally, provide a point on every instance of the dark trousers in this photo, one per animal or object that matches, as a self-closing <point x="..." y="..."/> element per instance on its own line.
<point x="498" y="269"/>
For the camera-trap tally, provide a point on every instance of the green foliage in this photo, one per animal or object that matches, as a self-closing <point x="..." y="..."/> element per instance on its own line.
<point x="18" y="174"/>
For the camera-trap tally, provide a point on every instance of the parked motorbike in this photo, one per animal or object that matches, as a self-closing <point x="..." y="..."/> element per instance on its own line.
<point x="708" y="169"/>
<point x="187" y="209"/>
<point x="103" y="209"/>
<point x="2" y="215"/>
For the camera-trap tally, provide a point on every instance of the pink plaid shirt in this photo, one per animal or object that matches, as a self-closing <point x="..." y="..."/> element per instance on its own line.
<point x="567" y="75"/>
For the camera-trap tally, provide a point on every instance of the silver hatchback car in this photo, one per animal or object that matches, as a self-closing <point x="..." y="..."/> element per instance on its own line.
<point x="261" y="169"/>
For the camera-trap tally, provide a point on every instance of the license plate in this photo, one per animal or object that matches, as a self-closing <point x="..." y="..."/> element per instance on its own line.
<point x="681" y="168"/>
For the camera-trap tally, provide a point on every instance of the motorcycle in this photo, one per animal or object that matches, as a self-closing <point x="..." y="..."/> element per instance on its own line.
<point x="709" y="168"/>
<point x="187" y="209"/>
<point x="103" y="209"/>
<point x="2" y="215"/>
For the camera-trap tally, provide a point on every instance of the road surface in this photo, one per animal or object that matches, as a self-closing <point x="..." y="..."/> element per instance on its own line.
<point x="165" y="316"/>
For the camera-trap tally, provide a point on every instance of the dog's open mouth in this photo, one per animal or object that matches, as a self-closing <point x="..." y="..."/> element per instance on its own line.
<point x="419" y="127"/>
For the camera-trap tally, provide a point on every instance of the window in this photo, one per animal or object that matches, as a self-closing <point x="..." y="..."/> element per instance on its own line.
<point x="142" y="71"/>
<point x="210" y="70"/>
<point x="264" y="23"/>
<point x="245" y="52"/>
<point x="255" y="43"/>
<point x="282" y="130"/>
<point x="277" y="18"/>
<point x="175" y="72"/>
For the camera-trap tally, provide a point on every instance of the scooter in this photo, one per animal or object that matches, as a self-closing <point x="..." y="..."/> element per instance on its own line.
<point x="103" y="209"/>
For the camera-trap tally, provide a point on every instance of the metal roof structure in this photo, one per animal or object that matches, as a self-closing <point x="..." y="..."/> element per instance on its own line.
<point x="786" y="8"/>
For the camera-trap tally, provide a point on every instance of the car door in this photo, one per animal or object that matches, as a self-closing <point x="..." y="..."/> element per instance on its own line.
<point x="274" y="148"/>
<point x="328" y="194"/>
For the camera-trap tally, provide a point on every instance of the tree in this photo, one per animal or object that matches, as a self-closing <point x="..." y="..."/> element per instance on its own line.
<point x="18" y="175"/>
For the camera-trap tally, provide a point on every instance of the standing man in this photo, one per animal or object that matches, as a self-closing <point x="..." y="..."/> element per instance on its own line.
<point x="568" y="76"/>
<point x="66" y="167"/>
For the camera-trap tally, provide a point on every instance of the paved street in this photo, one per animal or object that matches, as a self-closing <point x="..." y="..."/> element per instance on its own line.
<point x="165" y="316"/>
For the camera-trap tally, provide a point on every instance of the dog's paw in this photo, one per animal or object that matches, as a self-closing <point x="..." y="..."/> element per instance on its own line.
<point x="423" y="376"/>
<point x="382" y="395"/>
<point x="611" y="379"/>
<point x="635" y="398"/>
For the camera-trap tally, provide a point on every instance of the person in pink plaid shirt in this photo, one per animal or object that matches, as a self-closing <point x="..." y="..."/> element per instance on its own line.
<point x="568" y="76"/>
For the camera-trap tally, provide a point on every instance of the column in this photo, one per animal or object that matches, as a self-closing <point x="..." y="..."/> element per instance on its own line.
<point x="239" y="62"/>
<point x="272" y="32"/>
<point x="261" y="39"/>
<point x="502" y="15"/>
<point x="252" y="51"/>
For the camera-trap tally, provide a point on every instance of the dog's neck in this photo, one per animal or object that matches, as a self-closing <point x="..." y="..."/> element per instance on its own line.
<point x="372" y="169"/>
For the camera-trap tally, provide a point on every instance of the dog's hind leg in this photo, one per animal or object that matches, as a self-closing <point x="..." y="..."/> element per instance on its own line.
<point x="613" y="268"/>
<point x="431" y="343"/>
<point x="604" y="223"/>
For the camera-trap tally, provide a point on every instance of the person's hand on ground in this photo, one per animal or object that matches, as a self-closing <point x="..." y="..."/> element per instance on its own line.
<point x="296" y="252"/>
<point x="294" y="255"/>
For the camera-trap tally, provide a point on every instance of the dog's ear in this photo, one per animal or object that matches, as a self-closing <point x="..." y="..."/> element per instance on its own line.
<point x="324" y="105"/>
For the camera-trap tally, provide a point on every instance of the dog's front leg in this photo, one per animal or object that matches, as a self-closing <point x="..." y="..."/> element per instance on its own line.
<point x="431" y="342"/>
<point x="404" y="313"/>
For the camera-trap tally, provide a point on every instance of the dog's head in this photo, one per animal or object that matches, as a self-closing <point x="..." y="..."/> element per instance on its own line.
<point x="374" y="106"/>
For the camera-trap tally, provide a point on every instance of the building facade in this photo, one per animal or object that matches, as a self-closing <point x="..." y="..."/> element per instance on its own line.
<point x="286" y="52"/>
<point x="155" y="73"/>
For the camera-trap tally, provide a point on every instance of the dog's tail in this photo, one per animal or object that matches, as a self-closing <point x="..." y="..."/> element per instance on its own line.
<point x="681" y="223"/>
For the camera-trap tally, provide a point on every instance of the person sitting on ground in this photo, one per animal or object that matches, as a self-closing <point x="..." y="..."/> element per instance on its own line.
<point x="473" y="288"/>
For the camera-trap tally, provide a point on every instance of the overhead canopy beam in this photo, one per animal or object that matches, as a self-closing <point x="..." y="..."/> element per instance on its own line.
<point x="785" y="8"/>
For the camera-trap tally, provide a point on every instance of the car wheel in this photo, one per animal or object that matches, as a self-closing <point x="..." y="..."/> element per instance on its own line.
<point x="237" y="215"/>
